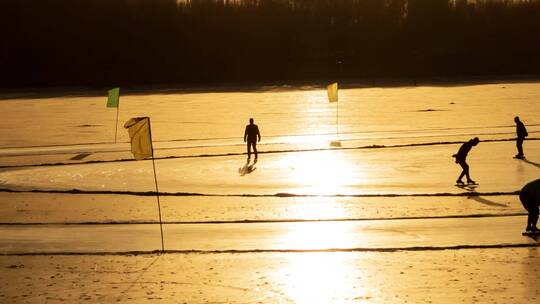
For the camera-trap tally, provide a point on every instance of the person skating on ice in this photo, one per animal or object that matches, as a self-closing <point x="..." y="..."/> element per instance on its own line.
<point x="521" y="133"/>
<point x="461" y="157"/>
<point x="251" y="137"/>
<point x="530" y="198"/>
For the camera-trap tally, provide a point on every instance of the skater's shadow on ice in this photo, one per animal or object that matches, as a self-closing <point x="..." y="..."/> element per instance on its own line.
<point x="247" y="168"/>
<point x="481" y="200"/>
<point x="486" y="201"/>
<point x="537" y="165"/>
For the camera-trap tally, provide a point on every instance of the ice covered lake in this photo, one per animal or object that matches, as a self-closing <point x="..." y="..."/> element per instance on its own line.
<point x="297" y="126"/>
<point x="394" y="162"/>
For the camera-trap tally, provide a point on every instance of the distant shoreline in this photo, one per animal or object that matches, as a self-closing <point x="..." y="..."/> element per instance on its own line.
<point x="260" y="86"/>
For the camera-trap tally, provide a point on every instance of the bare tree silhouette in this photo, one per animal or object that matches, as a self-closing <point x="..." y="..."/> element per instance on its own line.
<point x="104" y="42"/>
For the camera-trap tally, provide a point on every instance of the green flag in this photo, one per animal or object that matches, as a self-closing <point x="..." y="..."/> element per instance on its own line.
<point x="114" y="98"/>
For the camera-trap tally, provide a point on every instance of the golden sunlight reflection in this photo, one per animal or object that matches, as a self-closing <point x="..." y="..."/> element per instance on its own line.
<point x="321" y="235"/>
<point x="317" y="208"/>
<point x="321" y="277"/>
<point x="321" y="172"/>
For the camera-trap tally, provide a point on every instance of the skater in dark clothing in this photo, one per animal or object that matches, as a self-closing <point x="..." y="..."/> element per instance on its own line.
<point x="461" y="157"/>
<point x="530" y="198"/>
<point x="252" y="136"/>
<point x="521" y="133"/>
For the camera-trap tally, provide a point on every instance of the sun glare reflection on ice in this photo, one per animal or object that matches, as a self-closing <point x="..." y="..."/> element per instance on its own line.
<point x="320" y="235"/>
<point x="321" y="173"/>
<point x="320" y="278"/>
<point x="317" y="208"/>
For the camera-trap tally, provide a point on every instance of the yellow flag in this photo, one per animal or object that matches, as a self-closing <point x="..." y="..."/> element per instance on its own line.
<point x="141" y="137"/>
<point x="333" y="92"/>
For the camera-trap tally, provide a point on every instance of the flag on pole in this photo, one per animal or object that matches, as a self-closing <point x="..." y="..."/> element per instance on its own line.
<point x="114" y="98"/>
<point x="141" y="146"/>
<point x="141" y="138"/>
<point x="333" y="92"/>
<point x="113" y="102"/>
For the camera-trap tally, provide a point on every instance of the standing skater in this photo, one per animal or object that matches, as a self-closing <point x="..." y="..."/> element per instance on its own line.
<point x="530" y="198"/>
<point x="521" y="134"/>
<point x="461" y="156"/>
<point x="251" y="136"/>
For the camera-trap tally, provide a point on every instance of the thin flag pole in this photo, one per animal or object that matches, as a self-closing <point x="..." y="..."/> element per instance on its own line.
<point x="158" y="203"/>
<point x="338" y="63"/>
<point x="116" y="129"/>
<point x="337" y="120"/>
<point x="157" y="189"/>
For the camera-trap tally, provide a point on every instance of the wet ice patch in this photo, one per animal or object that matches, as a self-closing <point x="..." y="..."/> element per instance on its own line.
<point x="80" y="156"/>
<point x="431" y="110"/>
<point x="88" y="126"/>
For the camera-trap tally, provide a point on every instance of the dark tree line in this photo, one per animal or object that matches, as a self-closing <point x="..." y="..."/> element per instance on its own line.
<point x="106" y="42"/>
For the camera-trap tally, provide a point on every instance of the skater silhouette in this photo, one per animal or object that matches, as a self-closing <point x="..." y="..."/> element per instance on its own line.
<point x="521" y="133"/>
<point x="461" y="157"/>
<point x="530" y="198"/>
<point x="252" y="136"/>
